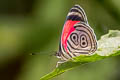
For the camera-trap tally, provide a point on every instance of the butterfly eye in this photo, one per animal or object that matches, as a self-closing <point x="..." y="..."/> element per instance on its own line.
<point x="74" y="38"/>
<point x="83" y="41"/>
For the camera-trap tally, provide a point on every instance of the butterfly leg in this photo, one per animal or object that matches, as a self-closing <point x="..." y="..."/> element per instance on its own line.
<point x="60" y="62"/>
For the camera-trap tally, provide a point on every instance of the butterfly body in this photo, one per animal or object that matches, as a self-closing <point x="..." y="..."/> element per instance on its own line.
<point x="77" y="37"/>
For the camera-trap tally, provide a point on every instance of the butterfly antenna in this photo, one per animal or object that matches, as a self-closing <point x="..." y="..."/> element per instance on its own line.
<point x="39" y="53"/>
<point x="33" y="53"/>
<point x="53" y="53"/>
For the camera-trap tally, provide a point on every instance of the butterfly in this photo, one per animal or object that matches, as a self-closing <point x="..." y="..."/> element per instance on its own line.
<point x="77" y="36"/>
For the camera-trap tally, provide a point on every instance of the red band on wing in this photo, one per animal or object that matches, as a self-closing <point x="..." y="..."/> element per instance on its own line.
<point x="68" y="28"/>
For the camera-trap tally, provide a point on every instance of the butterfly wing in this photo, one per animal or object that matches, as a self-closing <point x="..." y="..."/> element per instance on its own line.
<point x="76" y="13"/>
<point x="82" y="40"/>
<point x="75" y="16"/>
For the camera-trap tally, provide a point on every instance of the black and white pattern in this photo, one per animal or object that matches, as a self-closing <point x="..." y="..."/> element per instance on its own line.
<point x="77" y="14"/>
<point x="82" y="41"/>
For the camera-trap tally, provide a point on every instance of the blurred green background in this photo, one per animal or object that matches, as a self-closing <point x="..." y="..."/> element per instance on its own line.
<point x="34" y="26"/>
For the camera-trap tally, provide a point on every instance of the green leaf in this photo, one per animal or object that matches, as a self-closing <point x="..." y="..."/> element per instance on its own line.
<point x="108" y="46"/>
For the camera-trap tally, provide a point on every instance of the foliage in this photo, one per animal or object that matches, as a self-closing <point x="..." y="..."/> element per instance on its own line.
<point x="34" y="26"/>
<point x="106" y="48"/>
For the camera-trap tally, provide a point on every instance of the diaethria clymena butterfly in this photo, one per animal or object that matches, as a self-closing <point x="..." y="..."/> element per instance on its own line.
<point x="77" y="36"/>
